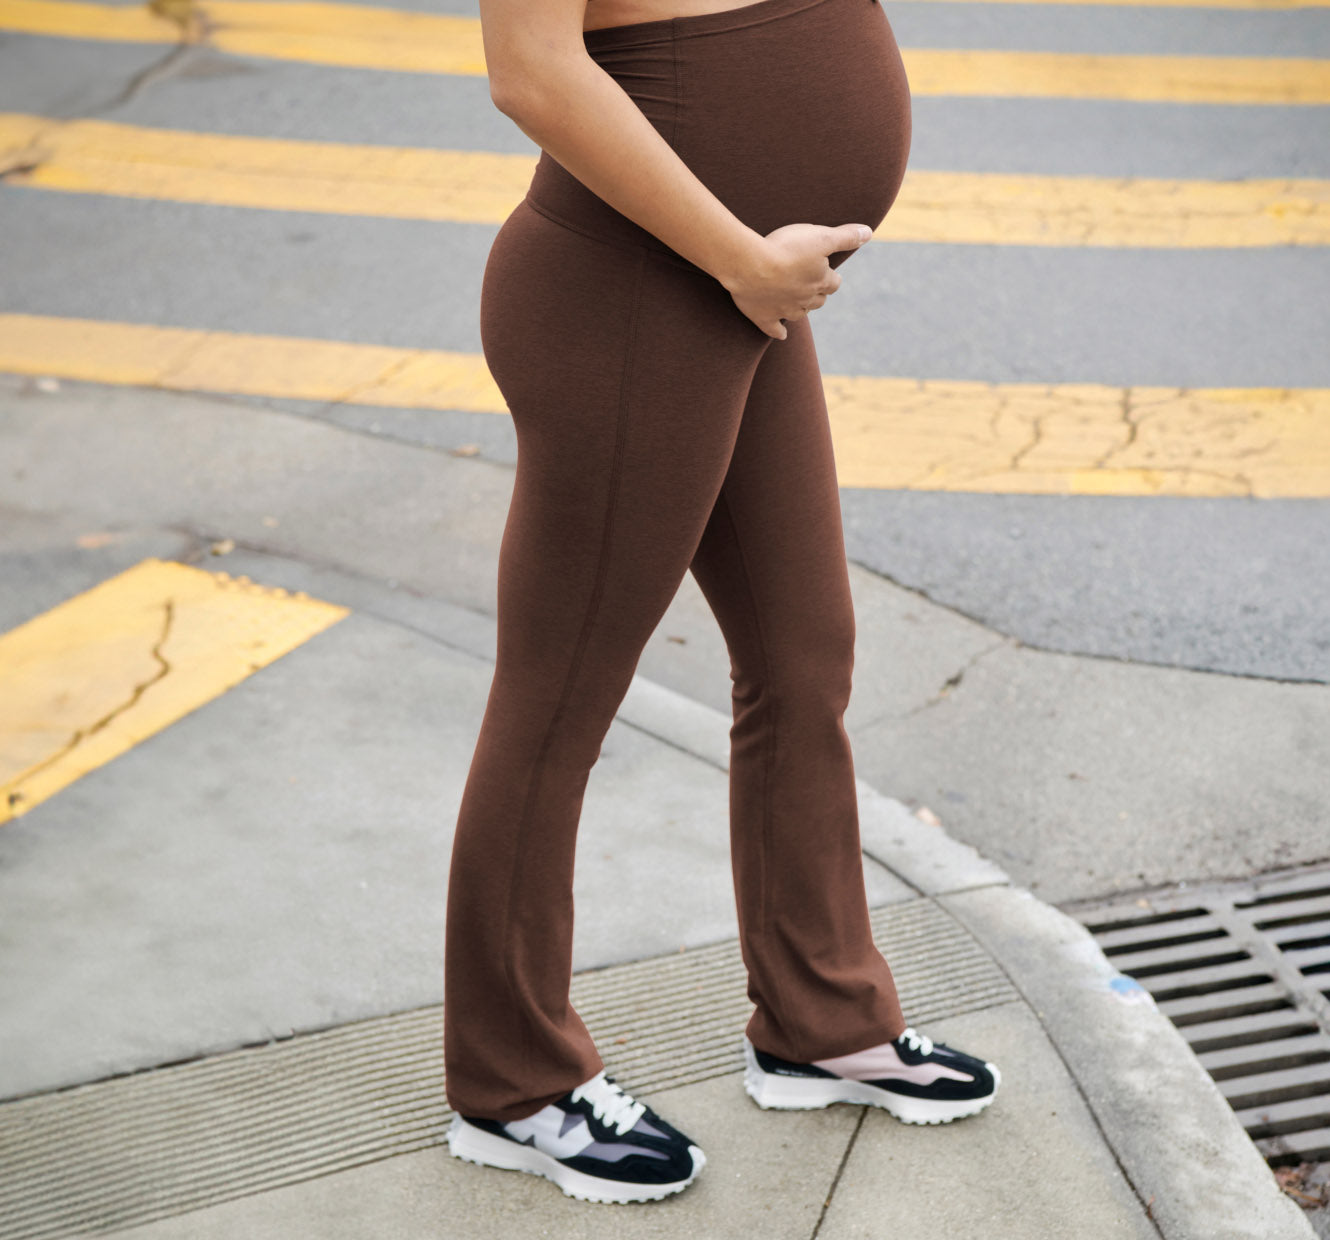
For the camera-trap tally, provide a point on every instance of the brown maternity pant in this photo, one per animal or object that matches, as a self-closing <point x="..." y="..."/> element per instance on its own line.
<point x="659" y="430"/>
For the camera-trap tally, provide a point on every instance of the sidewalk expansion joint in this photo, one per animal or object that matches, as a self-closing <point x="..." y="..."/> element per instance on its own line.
<point x="840" y="1171"/>
<point x="1075" y="1077"/>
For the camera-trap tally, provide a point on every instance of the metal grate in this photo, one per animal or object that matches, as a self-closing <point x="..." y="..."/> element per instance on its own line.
<point x="1243" y="970"/>
<point x="126" y="1151"/>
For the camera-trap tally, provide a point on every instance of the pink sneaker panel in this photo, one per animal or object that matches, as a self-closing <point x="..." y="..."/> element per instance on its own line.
<point x="881" y="1062"/>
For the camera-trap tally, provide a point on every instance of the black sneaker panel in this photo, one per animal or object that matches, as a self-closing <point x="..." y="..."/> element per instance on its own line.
<point x="667" y="1130"/>
<point x="491" y="1126"/>
<point x="784" y="1067"/>
<point x="941" y="1053"/>
<point x="665" y="1139"/>
<point x="665" y="1156"/>
<point x="948" y="1057"/>
<point x="636" y="1168"/>
<point x="980" y="1085"/>
<point x="944" y="1089"/>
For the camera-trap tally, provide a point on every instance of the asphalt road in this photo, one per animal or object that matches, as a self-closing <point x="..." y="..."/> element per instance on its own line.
<point x="1222" y="583"/>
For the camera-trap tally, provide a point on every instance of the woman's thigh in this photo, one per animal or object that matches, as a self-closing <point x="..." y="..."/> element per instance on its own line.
<point x="626" y="375"/>
<point x="772" y="561"/>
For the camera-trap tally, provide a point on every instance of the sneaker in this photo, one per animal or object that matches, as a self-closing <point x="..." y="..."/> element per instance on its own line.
<point x="917" y="1080"/>
<point x="595" y="1143"/>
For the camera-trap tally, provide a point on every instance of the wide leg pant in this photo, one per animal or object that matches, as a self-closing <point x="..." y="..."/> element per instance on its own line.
<point x="658" y="431"/>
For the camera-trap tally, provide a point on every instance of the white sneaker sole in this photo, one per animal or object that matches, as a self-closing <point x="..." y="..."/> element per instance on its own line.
<point x="804" y="1093"/>
<point x="475" y="1145"/>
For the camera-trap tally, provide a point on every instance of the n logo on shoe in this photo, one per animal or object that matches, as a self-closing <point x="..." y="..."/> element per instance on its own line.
<point x="553" y="1132"/>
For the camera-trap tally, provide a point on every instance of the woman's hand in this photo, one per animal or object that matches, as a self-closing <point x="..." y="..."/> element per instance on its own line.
<point x="789" y="275"/>
<point x="542" y="76"/>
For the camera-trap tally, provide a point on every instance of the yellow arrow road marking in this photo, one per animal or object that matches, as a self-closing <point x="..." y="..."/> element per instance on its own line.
<point x="100" y="157"/>
<point x="361" y="36"/>
<point x="91" y="678"/>
<point x="943" y="435"/>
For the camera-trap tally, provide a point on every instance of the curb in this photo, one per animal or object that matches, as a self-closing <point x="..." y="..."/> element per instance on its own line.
<point x="1173" y="1133"/>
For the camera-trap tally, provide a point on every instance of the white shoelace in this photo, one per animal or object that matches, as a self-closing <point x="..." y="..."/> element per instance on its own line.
<point x="918" y="1042"/>
<point x="614" y="1108"/>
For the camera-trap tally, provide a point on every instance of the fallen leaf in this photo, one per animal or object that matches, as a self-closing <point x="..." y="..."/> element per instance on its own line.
<point x="90" y="542"/>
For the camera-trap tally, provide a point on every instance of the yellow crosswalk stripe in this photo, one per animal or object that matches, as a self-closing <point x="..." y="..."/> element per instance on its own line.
<point x="1145" y="79"/>
<point x="1080" y="439"/>
<point x="90" y="679"/>
<point x="1009" y="209"/>
<point x="940" y="435"/>
<point x="1250" y="5"/>
<point x="372" y="38"/>
<point x="190" y="360"/>
<point x="100" y="157"/>
<point x="110" y="22"/>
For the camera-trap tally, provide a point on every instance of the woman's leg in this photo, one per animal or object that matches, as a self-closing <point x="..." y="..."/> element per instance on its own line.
<point x="772" y="566"/>
<point x="626" y="376"/>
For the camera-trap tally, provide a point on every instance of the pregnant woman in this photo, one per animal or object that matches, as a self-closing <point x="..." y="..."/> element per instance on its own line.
<point x="705" y="169"/>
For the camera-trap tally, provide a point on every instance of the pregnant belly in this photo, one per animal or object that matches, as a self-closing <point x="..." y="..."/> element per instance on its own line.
<point x="789" y="111"/>
<point x="817" y="133"/>
<point x="801" y="118"/>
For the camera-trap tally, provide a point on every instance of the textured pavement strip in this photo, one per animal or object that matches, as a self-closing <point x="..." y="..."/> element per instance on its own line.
<point x="89" y="679"/>
<point x="1028" y="438"/>
<point x="399" y="41"/>
<point x="958" y="208"/>
<point x="160" y="1142"/>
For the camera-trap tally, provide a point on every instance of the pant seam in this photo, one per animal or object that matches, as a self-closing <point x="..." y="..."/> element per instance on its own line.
<point x="769" y="757"/>
<point x="575" y="664"/>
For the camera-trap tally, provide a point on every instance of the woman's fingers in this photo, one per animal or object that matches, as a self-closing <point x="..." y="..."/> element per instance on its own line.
<point x="846" y="237"/>
<point x="798" y="277"/>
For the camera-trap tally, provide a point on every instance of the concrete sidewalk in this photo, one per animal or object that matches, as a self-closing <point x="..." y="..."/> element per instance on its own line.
<point x="222" y="951"/>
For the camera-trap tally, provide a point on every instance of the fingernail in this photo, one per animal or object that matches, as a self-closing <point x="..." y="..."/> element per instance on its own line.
<point x="864" y="232"/>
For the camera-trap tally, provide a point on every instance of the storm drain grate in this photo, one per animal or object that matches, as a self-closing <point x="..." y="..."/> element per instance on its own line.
<point x="1243" y="971"/>
<point x="132" y="1149"/>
